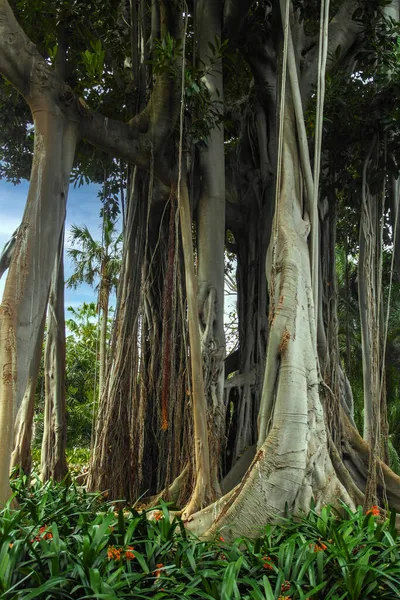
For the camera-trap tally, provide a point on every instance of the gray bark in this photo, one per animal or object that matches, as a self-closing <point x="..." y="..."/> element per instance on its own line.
<point x="104" y="302"/>
<point x="53" y="464"/>
<point x="367" y="299"/>
<point x="292" y="465"/>
<point x="203" y="491"/>
<point x="6" y="255"/>
<point x="23" y="429"/>
<point x="211" y="243"/>
<point x="28" y="281"/>
<point x="27" y="286"/>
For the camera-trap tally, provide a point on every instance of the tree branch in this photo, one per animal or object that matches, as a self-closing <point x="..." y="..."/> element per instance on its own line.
<point x="139" y="142"/>
<point x="7" y="253"/>
<point x="343" y="32"/>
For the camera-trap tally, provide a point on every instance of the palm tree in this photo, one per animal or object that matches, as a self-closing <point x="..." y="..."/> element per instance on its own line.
<point x="97" y="264"/>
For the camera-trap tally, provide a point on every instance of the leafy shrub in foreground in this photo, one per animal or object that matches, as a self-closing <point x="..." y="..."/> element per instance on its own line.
<point x="65" y="543"/>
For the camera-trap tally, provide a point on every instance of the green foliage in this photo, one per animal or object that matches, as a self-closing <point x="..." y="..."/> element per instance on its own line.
<point x="16" y="135"/>
<point x="202" y="112"/>
<point x="81" y="376"/>
<point x="93" y="60"/>
<point x="81" y="372"/>
<point x="165" y="55"/>
<point x="96" y="40"/>
<point x="96" y="263"/>
<point x="65" y="543"/>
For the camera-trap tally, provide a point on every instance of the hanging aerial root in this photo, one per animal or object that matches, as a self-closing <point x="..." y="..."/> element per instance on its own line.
<point x="167" y="341"/>
<point x="357" y="459"/>
<point x="343" y="474"/>
<point x="172" y="492"/>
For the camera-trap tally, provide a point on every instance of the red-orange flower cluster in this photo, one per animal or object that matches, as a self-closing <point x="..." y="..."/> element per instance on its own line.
<point x="157" y="572"/>
<point x="320" y="547"/>
<point x="158" y="515"/>
<point x="114" y="553"/>
<point x="285" y="587"/>
<point x="267" y="563"/>
<point x="43" y="535"/>
<point x="374" y="511"/>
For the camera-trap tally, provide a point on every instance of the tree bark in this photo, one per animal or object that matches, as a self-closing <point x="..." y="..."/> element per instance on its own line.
<point x="53" y="464"/>
<point x="292" y="465"/>
<point x="28" y="280"/>
<point x="104" y="302"/>
<point x="211" y="242"/>
<point x="112" y="466"/>
<point x="6" y="255"/>
<point x="21" y="455"/>
<point x="368" y="301"/>
<point x="203" y="492"/>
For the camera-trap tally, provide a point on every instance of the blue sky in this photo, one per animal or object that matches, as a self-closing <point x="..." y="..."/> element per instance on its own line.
<point x="83" y="208"/>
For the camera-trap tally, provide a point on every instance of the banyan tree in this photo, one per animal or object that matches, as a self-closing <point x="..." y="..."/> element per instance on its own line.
<point x="266" y="129"/>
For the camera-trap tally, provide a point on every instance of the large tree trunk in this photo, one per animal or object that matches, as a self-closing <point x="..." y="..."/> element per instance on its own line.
<point x="112" y="466"/>
<point x="211" y="242"/>
<point x="249" y="217"/>
<point x="367" y="302"/>
<point x="203" y="492"/>
<point x="28" y="280"/>
<point x="292" y="465"/>
<point x="164" y="433"/>
<point x="21" y="455"/>
<point x="333" y="394"/>
<point x="53" y="464"/>
<point x="143" y="414"/>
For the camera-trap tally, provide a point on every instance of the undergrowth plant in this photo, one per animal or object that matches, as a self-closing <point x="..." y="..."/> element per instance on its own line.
<point x="62" y="542"/>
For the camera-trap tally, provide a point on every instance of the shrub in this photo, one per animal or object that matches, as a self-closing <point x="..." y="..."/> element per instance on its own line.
<point x="65" y="543"/>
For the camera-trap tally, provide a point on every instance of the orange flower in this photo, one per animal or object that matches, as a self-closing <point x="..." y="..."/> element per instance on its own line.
<point x="319" y="547"/>
<point x="158" y="515"/>
<point x="113" y="553"/>
<point x="221" y="539"/>
<point x="129" y="553"/>
<point x="42" y="535"/>
<point x="374" y="511"/>
<point x="285" y="586"/>
<point x="10" y="545"/>
<point x="284" y="598"/>
<point x="267" y="563"/>
<point x="157" y="572"/>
